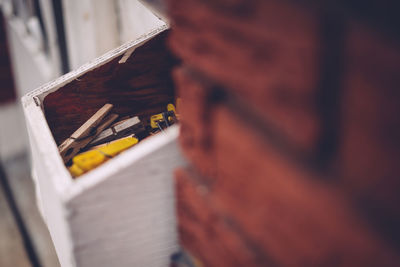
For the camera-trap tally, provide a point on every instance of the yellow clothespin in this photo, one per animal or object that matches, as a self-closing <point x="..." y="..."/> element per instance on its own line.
<point x="91" y="159"/>
<point x="171" y="107"/>
<point x="155" y="121"/>
<point x="166" y="118"/>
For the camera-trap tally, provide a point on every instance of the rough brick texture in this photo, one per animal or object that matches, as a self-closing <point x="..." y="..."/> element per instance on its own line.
<point x="287" y="209"/>
<point x="370" y="123"/>
<point x="272" y="61"/>
<point x="195" y="124"/>
<point x="270" y="58"/>
<point x="283" y="209"/>
<point x="206" y="232"/>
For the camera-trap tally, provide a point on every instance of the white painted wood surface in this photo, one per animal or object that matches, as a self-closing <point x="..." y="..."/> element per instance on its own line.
<point x="128" y="218"/>
<point x="31" y="65"/>
<point x="52" y="39"/>
<point x="94" y="27"/>
<point x="135" y="19"/>
<point x="91" y="29"/>
<point x="120" y="214"/>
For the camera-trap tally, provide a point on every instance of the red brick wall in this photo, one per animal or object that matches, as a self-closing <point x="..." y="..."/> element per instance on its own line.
<point x="289" y="119"/>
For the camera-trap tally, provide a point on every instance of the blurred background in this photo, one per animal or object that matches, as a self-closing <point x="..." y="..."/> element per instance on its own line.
<point x="39" y="41"/>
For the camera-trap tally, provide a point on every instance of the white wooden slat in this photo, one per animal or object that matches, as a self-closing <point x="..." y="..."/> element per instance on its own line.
<point x="135" y="19"/>
<point x="91" y="29"/>
<point x="52" y="39"/>
<point x="51" y="183"/>
<point x="31" y="66"/>
<point x="129" y="217"/>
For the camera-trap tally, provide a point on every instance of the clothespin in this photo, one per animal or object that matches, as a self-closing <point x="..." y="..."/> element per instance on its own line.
<point x="165" y="118"/>
<point x="156" y="121"/>
<point x="118" y="130"/>
<point x="89" y="160"/>
<point x="87" y="132"/>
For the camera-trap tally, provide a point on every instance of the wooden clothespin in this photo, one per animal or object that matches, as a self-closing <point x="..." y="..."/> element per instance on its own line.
<point x="118" y="130"/>
<point x="87" y="132"/>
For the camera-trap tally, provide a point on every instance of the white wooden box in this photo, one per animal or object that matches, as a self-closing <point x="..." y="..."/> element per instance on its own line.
<point x="122" y="213"/>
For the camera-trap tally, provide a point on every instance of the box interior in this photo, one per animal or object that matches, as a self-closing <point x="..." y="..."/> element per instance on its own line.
<point x="142" y="86"/>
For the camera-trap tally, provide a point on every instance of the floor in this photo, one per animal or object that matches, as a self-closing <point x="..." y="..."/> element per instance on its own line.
<point x="24" y="238"/>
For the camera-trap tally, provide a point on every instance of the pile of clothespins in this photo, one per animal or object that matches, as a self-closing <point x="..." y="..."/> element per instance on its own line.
<point x="103" y="136"/>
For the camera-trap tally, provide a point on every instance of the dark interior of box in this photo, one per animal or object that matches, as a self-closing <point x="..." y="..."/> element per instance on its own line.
<point x="142" y="86"/>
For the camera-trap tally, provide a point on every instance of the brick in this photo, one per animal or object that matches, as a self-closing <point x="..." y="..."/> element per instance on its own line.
<point x="286" y="209"/>
<point x="269" y="59"/>
<point x="369" y="153"/>
<point x="203" y="230"/>
<point x="195" y="126"/>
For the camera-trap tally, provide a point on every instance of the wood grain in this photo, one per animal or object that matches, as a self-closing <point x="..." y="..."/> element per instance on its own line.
<point x="140" y="87"/>
<point x="128" y="219"/>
